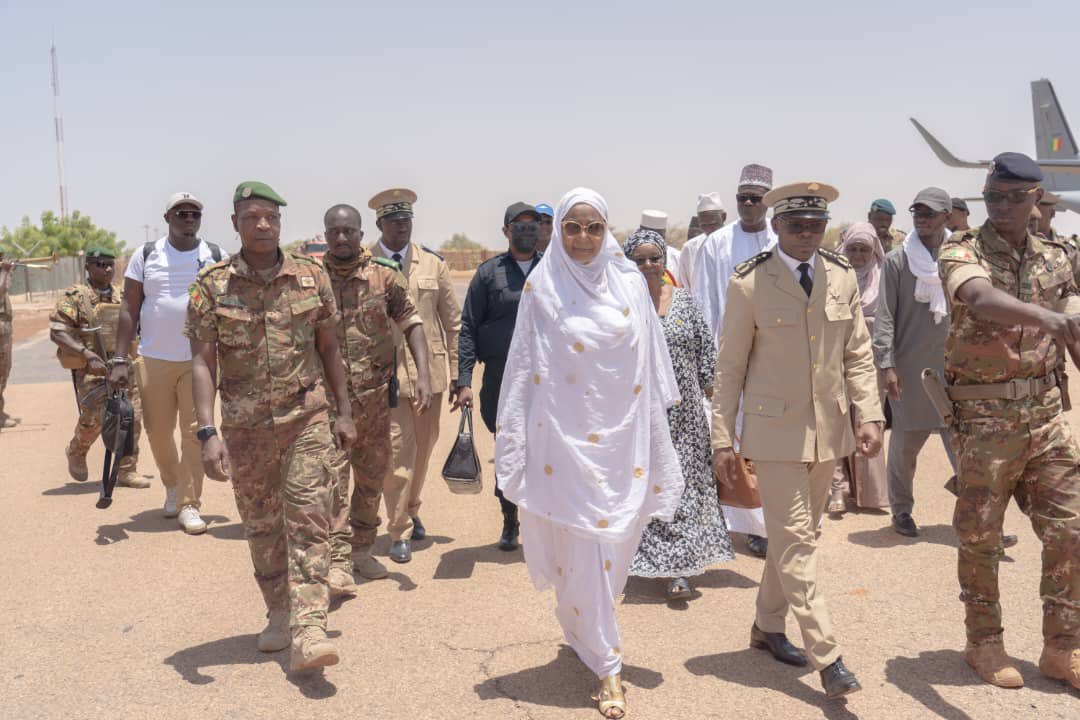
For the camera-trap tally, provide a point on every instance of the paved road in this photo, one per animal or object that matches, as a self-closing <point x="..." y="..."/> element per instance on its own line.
<point x="116" y="614"/>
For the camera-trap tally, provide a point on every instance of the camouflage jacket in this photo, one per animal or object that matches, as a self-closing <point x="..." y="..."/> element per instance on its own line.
<point x="75" y="311"/>
<point x="980" y="351"/>
<point x="269" y="370"/>
<point x="896" y="239"/>
<point x="369" y="298"/>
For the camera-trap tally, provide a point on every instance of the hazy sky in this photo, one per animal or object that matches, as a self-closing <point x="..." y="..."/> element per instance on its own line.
<point x="478" y="104"/>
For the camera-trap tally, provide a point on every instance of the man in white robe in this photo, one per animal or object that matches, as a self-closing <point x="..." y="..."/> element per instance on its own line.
<point x="710" y="217"/>
<point x="716" y="260"/>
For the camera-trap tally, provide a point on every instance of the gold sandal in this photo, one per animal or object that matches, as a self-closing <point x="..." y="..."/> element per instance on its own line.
<point x="611" y="697"/>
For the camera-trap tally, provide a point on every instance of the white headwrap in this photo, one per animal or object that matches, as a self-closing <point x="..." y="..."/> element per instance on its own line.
<point x="927" y="281"/>
<point x="582" y="437"/>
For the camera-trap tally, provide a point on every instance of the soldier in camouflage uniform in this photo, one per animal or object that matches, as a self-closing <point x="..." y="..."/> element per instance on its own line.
<point x="262" y="326"/>
<point x="6" y="421"/>
<point x="881" y="216"/>
<point x="74" y="314"/>
<point x="1015" y="301"/>
<point x="370" y="293"/>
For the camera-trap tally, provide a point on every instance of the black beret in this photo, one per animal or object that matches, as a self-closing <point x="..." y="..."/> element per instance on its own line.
<point x="1015" y="166"/>
<point x="960" y="204"/>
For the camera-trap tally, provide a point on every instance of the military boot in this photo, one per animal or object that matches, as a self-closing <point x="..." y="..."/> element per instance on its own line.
<point x="508" y="541"/>
<point x="367" y="566"/>
<point x="992" y="665"/>
<point x="131" y="479"/>
<point x="340" y="582"/>
<point x="275" y="636"/>
<point x="311" y="649"/>
<point x="77" y="465"/>
<point x="1061" y="665"/>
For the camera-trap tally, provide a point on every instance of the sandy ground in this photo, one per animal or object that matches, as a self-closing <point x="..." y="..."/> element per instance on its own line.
<point x="116" y="614"/>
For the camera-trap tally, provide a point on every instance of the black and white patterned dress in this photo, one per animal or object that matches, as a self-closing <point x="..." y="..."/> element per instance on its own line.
<point x="697" y="537"/>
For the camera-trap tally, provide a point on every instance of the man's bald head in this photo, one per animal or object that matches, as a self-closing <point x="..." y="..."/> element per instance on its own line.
<point x="343" y="233"/>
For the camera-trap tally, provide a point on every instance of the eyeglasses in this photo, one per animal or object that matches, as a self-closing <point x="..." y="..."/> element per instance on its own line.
<point x="651" y="260"/>
<point x="924" y="213"/>
<point x="814" y="227"/>
<point x="1015" y="197"/>
<point x="747" y="198"/>
<point x="572" y="228"/>
<point x="104" y="265"/>
<point x="189" y="214"/>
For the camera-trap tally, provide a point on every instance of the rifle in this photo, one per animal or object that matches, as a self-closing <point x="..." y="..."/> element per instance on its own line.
<point x="395" y="386"/>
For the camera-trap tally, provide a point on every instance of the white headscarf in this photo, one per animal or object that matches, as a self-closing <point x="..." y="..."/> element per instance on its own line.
<point x="582" y="438"/>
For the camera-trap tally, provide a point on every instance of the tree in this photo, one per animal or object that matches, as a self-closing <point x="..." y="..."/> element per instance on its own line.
<point x="53" y="236"/>
<point x="461" y="241"/>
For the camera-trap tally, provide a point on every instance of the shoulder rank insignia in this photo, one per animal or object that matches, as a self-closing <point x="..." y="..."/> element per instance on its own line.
<point x="386" y="262"/>
<point x="835" y="257"/>
<point x="743" y="269"/>
<point x="427" y="249"/>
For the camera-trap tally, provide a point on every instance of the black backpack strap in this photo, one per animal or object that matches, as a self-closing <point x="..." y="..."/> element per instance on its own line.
<point x="215" y="251"/>
<point x="147" y="248"/>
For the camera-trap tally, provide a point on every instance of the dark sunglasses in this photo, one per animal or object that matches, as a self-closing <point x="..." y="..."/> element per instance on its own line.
<point x="924" y="213"/>
<point x="1015" y="197"/>
<point x="747" y="198"/>
<point x="103" y="264"/>
<point x="189" y="214"/>
<point x="799" y="227"/>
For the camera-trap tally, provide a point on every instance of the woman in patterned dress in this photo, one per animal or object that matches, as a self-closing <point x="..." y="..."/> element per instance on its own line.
<point x="697" y="537"/>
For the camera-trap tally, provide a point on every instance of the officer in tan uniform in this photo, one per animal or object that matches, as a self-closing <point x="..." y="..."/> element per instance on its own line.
<point x="262" y="326"/>
<point x="373" y="298"/>
<point x="795" y="345"/>
<point x="413" y="434"/>
<point x="96" y="306"/>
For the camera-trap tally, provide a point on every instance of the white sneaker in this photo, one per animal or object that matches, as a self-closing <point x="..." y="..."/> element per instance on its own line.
<point x="170" y="503"/>
<point x="191" y="522"/>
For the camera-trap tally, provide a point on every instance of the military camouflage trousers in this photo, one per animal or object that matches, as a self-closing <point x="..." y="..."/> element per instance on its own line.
<point x="1037" y="464"/>
<point x="282" y="481"/>
<point x="356" y="522"/>
<point x="5" y="360"/>
<point x="92" y="397"/>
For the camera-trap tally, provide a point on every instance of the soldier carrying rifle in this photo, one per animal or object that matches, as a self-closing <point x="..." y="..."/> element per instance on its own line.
<point x="83" y="326"/>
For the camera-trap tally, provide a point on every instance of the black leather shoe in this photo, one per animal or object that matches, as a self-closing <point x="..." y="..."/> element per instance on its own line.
<point x="419" y="532"/>
<point x="905" y="525"/>
<point x="508" y="541"/>
<point x="838" y="680"/>
<point x="757" y="544"/>
<point x="401" y="551"/>
<point x="1008" y="541"/>
<point x="777" y="644"/>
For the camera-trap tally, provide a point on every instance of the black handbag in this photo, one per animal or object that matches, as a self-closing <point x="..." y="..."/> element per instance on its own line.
<point x="461" y="471"/>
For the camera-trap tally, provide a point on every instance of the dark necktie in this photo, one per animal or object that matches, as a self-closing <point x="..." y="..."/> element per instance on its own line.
<point x="396" y="257"/>
<point x="804" y="278"/>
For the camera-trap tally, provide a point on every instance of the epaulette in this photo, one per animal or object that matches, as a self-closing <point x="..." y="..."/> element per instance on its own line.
<point x="835" y="257"/>
<point x="387" y="262"/>
<point x="427" y="249"/>
<point x="210" y="268"/>
<point x="305" y="259"/>
<point x="743" y="269"/>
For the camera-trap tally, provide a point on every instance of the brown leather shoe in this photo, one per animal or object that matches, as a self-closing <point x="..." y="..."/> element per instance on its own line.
<point x="992" y="665"/>
<point x="1061" y="665"/>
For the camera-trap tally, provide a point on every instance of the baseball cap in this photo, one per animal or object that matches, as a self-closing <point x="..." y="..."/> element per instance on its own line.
<point x="519" y="208"/>
<point x="183" y="198"/>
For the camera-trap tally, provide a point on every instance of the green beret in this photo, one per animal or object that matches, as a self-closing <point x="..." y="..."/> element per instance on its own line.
<point x="883" y="205"/>
<point x="255" y="189"/>
<point x="100" y="252"/>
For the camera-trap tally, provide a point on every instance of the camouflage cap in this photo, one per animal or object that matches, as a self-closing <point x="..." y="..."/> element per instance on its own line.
<point x="255" y="189"/>
<point x="99" y="251"/>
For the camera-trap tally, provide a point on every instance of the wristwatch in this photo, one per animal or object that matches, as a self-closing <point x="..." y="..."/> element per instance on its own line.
<point x="206" y="432"/>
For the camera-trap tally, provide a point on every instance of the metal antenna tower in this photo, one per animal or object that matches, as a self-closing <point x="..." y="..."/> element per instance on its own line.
<point x="59" y="121"/>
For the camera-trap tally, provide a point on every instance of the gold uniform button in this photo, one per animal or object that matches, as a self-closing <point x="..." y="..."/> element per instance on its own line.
<point x="760" y="408"/>
<point x="813" y="338"/>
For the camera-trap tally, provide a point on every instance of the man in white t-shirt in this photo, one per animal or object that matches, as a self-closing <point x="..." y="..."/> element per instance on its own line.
<point x="155" y="299"/>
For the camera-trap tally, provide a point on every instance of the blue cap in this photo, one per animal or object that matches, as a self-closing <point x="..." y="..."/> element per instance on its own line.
<point x="544" y="209"/>
<point x="883" y="205"/>
<point x="1015" y="166"/>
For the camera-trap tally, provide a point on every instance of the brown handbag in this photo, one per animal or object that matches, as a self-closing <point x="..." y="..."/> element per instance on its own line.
<point x="745" y="494"/>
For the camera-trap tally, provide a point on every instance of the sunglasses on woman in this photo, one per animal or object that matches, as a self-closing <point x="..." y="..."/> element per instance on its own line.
<point x="572" y="229"/>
